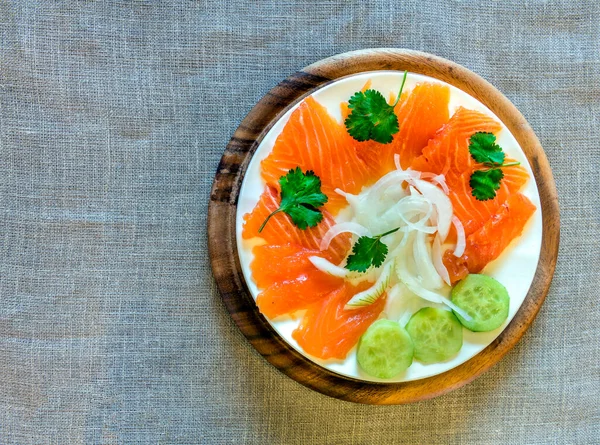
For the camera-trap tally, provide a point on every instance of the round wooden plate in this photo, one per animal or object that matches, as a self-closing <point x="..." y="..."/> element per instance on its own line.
<point x="222" y="214"/>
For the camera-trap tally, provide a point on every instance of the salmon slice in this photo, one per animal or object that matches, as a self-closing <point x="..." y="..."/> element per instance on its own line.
<point x="290" y="281"/>
<point x="273" y="263"/>
<point x="327" y="330"/>
<point x="313" y="140"/>
<point x="293" y="294"/>
<point x="281" y="230"/>
<point x="487" y="243"/>
<point x="448" y="152"/>
<point x="473" y="213"/>
<point x="421" y="112"/>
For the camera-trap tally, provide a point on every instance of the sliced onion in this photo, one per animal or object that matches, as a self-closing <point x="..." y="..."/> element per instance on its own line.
<point x="413" y="284"/>
<point x="424" y="263"/>
<point x="406" y="233"/>
<point x="353" y="200"/>
<point x="328" y="267"/>
<point x="441" y="181"/>
<point x="397" y="161"/>
<point x="337" y="271"/>
<point x="372" y="294"/>
<point x="414" y="173"/>
<point x="354" y="278"/>
<point x="393" y="177"/>
<point x="436" y="179"/>
<point x="415" y="287"/>
<point x="461" y="241"/>
<point x="409" y="311"/>
<point x="401" y="304"/>
<point x="344" y="227"/>
<point x="456" y="309"/>
<point x="339" y="191"/>
<point x="412" y="204"/>
<point x="394" y="303"/>
<point x="441" y="202"/>
<point x="438" y="261"/>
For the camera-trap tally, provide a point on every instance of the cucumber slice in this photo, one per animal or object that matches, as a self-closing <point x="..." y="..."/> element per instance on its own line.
<point x="385" y="349"/>
<point x="436" y="333"/>
<point x="484" y="299"/>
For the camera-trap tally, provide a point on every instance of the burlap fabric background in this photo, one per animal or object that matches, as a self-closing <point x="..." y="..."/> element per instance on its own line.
<point x="113" y="117"/>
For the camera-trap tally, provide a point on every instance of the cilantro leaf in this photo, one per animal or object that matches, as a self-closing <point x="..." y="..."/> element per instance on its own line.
<point x="372" y="118"/>
<point x="368" y="252"/>
<point x="485" y="183"/>
<point x="483" y="148"/>
<point x="301" y="188"/>
<point x="300" y="198"/>
<point x="303" y="216"/>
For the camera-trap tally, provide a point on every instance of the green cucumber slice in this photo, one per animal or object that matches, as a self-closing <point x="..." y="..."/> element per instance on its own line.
<point x="436" y="334"/>
<point x="484" y="299"/>
<point x="385" y="349"/>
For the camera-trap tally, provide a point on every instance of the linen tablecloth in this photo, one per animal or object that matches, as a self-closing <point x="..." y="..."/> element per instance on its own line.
<point x="113" y="118"/>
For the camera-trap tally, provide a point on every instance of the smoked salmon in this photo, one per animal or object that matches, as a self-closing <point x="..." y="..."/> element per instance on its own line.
<point x="274" y="263"/>
<point x="296" y="293"/>
<point x="327" y="330"/>
<point x="288" y="280"/>
<point x="281" y="230"/>
<point x="487" y="243"/>
<point x="421" y="112"/>
<point x="313" y="140"/>
<point x="473" y="213"/>
<point x="448" y="154"/>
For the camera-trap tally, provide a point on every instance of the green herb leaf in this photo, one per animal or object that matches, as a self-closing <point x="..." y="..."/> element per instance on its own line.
<point x="485" y="183"/>
<point x="368" y="252"/>
<point x="372" y="118"/>
<point x="483" y="148"/>
<point x="300" y="198"/>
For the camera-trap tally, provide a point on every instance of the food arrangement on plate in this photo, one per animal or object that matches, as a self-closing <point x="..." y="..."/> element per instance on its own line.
<point x="369" y="242"/>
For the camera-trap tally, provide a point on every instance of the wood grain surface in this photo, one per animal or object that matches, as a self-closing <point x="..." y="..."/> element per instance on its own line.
<point x="222" y="215"/>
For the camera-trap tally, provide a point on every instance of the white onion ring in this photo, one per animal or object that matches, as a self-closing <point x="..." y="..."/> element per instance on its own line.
<point x="393" y="304"/>
<point x="413" y="284"/>
<point x="353" y="200"/>
<point x="438" y="260"/>
<point x="392" y="177"/>
<point x="397" y="161"/>
<point x="424" y="263"/>
<point x="461" y="241"/>
<point x="441" y="202"/>
<point x="344" y="227"/>
<point x="416" y="288"/>
<point x="411" y="204"/>
<point x="441" y="181"/>
<point x="328" y="267"/>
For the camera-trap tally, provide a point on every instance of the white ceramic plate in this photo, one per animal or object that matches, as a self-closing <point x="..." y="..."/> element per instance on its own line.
<point x="515" y="268"/>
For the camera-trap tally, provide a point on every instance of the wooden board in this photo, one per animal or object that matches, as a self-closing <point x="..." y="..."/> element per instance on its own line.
<point x="222" y="216"/>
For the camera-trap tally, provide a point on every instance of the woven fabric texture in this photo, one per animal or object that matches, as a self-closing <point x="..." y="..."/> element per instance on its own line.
<point x="113" y="118"/>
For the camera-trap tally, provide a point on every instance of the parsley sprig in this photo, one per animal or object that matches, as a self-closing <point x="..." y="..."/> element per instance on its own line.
<point x="367" y="252"/>
<point x="300" y="198"/>
<point x="372" y="118"/>
<point x="486" y="181"/>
